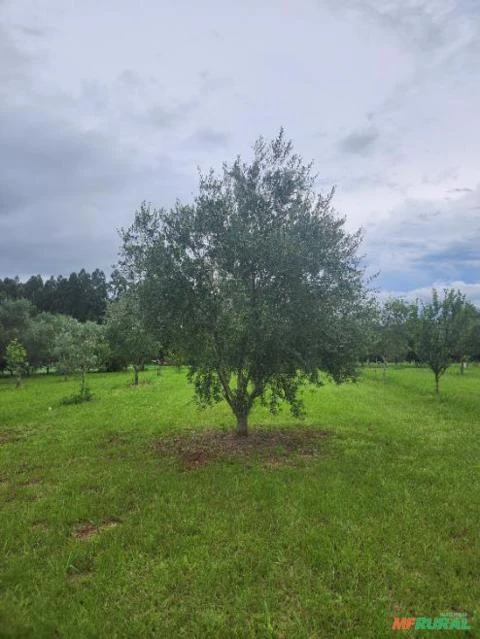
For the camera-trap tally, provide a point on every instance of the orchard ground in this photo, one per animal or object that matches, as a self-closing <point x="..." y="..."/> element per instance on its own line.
<point x="137" y="515"/>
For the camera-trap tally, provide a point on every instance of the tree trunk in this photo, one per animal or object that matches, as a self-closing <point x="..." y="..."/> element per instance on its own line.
<point x="437" y="380"/>
<point x="242" y="424"/>
<point x="135" y="375"/>
<point x="18" y="382"/>
<point x="83" y="385"/>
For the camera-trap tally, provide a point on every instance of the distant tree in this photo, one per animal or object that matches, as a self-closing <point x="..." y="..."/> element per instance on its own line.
<point x="39" y="338"/>
<point x="395" y="331"/>
<point x="469" y="338"/>
<point x="82" y="295"/>
<point x="32" y="290"/>
<point x="442" y="326"/>
<point x="50" y="296"/>
<point x="127" y="335"/>
<point x="10" y="288"/>
<point x="474" y="338"/>
<point x="256" y="285"/>
<point x="97" y="296"/>
<point x="138" y="242"/>
<point x="15" y="319"/>
<point x="16" y="358"/>
<point x="79" y="348"/>
<point x="117" y="285"/>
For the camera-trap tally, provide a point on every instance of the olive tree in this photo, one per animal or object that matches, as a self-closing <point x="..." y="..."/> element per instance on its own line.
<point x="442" y="326"/>
<point x="256" y="285"/>
<point x="40" y="337"/>
<point x="15" y="320"/>
<point x="79" y="348"/>
<point x="16" y="359"/>
<point x="128" y="337"/>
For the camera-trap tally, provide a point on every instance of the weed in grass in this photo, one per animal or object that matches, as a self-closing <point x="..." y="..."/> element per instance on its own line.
<point x="77" y="398"/>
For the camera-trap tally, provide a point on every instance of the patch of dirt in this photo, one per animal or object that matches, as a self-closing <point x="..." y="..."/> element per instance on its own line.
<point x="78" y="577"/>
<point x="110" y="523"/>
<point x="271" y="447"/>
<point x="40" y="526"/>
<point x="31" y="482"/>
<point x="8" y="436"/>
<point x="87" y="530"/>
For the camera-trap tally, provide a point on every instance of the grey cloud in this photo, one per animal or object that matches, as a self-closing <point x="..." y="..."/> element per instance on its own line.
<point x="425" y="24"/>
<point x="448" y="173"/>
<point x="211" y="84"/>
<point x="64" y="191"/>
<point x="369" y="180"/>
<point x="460" y="190"/>
<point x="442" y="38"/>
<point x="30" y="31"/>
<point x="45" y="159"/>
<point x="208" y="139"/>
<point x="162" y="117"/>
<point x="215" y="34"/>
<point x="54" y="190"/>
<point x="424" y="216"/>
<point x="425" y="241"/>
<point x="131" y="79"/>
<point x="65" y="194"/>
<point x="50" y="254"/>
<point x="465" y="251"/>
<point x="14" y="68"/>
<point x="359" y="142"/>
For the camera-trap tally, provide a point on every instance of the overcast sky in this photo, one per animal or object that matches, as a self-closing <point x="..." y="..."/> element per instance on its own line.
<point x="105" y="103"/>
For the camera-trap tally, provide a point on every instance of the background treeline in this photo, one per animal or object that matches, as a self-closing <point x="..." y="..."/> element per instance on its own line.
<point x="72" y="325"/>
<point x="81" y="295"/>
<point x="48" y="317"/>
<point x="417" y="332"/>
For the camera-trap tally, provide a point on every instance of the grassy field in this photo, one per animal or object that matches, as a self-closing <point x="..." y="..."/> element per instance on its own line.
<point x="103" y="536"/>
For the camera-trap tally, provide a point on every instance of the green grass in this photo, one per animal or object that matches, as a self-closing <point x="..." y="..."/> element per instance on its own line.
<point x="384" y="522"/>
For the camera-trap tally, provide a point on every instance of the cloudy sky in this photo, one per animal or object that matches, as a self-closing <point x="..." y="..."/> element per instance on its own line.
<point x="105" y="103"/>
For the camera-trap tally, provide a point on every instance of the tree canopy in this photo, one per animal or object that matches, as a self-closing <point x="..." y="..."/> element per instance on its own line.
<point x="256" y="285"/>
<point x="129" y="338"/>
<point x="443" y="327"/>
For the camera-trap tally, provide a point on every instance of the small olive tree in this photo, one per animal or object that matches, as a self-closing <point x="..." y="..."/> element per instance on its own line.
<point x="16" y="359"/>
<point x="79" y="348"/>
<point x="441" y="327"/>
<point x="127" y="335"/>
